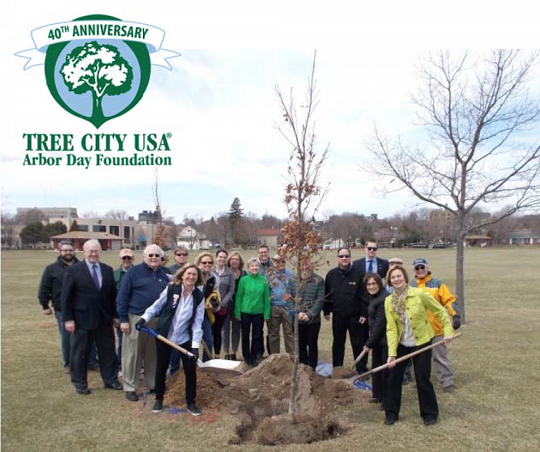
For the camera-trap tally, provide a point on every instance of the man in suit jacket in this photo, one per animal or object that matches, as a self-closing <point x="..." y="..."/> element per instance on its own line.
<point x="369" y="264"/>
<point x="89" y="313"/>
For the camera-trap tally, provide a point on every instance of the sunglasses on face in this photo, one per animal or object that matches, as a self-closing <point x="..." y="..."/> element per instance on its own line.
<point x="344" y="256"/>
<point x="127" y="258"/>
<point x="420" y="267"/>
<point x="155" y="255"/>
<point x="181" y="254"/>
<point x="372" y="248"/>
<point x="207" y="263"/>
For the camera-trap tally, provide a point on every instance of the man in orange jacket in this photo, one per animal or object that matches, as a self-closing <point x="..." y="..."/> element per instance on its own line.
<point x="438" y="290"/>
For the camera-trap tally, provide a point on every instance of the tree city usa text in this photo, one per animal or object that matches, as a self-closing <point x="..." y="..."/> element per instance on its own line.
<point x="43" y="144"/>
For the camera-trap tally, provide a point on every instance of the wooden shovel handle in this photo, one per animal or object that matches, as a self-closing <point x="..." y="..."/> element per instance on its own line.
<point x="403" y="358"/>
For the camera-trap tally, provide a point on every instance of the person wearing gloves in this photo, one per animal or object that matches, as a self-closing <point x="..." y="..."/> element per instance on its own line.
<point x="226" y="291"/>
<point x="376" y="342"/>
<point x="309" y="315"/>
<point x="252" y="308"/>
<point x="408" y="330"/>
<point x="180" y="308"/>
<point x="438" y="290"/>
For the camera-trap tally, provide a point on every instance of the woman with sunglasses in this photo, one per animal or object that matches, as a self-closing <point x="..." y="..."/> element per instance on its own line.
<point x="210" y="290"/>
<point x="231" y="328"/>
<point x="226" y="284"/>
<point x="252" y="308"/>
<point x="408" y="330"/>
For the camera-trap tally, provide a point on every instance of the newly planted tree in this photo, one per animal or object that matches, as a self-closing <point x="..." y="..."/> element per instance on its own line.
<point x="299" y="241"/>
<point x="99" y="69"/>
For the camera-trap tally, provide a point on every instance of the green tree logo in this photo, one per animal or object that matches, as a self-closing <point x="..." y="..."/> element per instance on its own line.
<point x="99" y="69"/>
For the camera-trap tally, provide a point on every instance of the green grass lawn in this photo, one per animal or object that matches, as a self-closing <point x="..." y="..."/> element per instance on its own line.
<point x="496" y="406"/>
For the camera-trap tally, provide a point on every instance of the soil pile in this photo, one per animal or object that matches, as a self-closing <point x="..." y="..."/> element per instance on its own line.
<point x="260" y="397"/>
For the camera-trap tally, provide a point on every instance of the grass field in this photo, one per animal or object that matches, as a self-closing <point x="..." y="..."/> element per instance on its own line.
<point x="496" y="406"/>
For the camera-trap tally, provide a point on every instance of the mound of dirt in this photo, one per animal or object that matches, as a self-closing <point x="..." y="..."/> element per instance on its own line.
<point x="260" y="397"/>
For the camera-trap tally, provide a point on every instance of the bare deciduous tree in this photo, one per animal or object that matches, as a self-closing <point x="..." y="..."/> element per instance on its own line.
<point x="299" y="242"/>
<point x="477" y="114"/>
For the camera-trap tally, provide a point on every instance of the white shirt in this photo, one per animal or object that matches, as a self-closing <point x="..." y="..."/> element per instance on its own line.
<point x="407" y="338"/>
<point x="178" y="332"/>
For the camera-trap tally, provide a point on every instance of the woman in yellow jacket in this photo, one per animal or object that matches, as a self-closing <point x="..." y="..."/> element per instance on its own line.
<point x="407" y="330"/>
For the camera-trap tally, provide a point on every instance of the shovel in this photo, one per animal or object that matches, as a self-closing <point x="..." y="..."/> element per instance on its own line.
<point x="357" y="360"/>
<point x="218" y="366"/>
<point x="403" y="358"/>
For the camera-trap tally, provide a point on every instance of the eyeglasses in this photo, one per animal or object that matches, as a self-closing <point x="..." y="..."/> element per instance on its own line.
<point x="371" y="248"/>
<point x="207" y="263"/>
<point x="126" y="258"/>
<point x="344" y="256"/>
<point x="154" y="255"/>
<point x="181" y="254"/>
<point x="420" y="267"/>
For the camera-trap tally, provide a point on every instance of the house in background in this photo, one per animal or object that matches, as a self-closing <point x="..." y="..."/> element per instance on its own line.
<point x="268" y="237"/>
<point x="107" y="241"/>
<point x="524" y="237"/>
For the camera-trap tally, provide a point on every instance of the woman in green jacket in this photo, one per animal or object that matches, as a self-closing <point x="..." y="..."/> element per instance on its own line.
<point x="408" y="329"/>
<point x="252" y="308"/>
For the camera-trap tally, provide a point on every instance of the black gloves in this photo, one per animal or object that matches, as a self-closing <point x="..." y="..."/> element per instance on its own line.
<point x="195" y="352"/>
<point x="456" y="322"/>
<point x="140" y="323"/>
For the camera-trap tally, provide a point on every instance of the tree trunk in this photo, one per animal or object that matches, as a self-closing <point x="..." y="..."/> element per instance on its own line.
<point x="460" y="267"/>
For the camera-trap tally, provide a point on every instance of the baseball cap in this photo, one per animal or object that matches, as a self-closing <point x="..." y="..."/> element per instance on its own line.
<point x="126" y="252"/>
<point x="419" y="261"/>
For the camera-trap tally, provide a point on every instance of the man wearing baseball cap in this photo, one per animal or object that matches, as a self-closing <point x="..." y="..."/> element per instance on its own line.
<point x="438" y="290"/>
<point x="126" y="262"/>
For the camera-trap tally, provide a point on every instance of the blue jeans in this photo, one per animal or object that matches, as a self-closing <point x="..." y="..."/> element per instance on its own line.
<point x="64" y="338"/>
<point x="65" y="341"/>
<point x="207" y="336"/>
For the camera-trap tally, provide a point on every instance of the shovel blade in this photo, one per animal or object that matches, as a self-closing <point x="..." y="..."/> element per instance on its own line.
<point x="221" y="366"/>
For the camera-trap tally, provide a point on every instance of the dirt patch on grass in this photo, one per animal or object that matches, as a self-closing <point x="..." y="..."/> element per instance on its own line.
<point x="260" y="398"/>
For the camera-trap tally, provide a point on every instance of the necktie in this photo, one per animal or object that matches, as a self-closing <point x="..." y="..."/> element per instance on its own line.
<point x="95" y="276"/>
<point x="370" y="266"/>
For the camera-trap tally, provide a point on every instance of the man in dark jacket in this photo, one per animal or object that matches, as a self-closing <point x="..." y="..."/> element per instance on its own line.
<point x="89" y="314"/>
<point x="50" y="290"/>
<point x="343" y="291"/>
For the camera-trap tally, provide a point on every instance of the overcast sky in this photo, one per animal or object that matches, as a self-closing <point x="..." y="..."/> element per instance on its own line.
<point x="220" y="104"/>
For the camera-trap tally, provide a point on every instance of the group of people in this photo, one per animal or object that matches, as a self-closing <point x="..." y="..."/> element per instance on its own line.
<point x="216" y="302"/>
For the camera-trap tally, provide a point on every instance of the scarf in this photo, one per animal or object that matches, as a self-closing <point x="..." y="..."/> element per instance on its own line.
<point x="398" y="304"/>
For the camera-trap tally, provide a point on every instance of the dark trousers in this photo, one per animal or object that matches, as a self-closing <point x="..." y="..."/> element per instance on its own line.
<point x="81" y="345"/>
<point x="422" y="372"/>
<point x="163" y="352"/>
<point x="65" y="339"/>
<point x="340" y="326"/>
<point x="216" y="330"/>
<point x="175" y="361"/>
<point x="249" y="322"/>
<point x="379" y="356"/>
<point x="308" y="336"/>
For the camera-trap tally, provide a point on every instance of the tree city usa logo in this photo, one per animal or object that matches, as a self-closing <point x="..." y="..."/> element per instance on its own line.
<point x="97" y="68"/>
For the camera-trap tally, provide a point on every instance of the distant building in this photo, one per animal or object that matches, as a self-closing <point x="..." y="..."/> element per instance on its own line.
<point x="149" y="216"/>
<point x="192" y="239"/>
<point x="78" y="238"/>
<point x="51" y="212"/>
<point x="524" y="237"/>
<point x="478" y="240"/>
<point x="268" y="237"/>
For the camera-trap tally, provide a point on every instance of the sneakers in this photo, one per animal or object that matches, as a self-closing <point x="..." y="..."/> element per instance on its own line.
<point x="158" y="406"/>
<point x="192" y="408"/>
<point x="132" y="396"/>
<point x="449" y="389"/>
<point x="83" y="391"/>
<point x="66" y="369"/>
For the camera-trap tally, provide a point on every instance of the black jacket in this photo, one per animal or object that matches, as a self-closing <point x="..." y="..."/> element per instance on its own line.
<point x="167" y="313"/>
<point x="377" y="320"/>
<point x="50" y="288"/>
<point x="81" y="300"/>
<point x="342" y="288"/>
<point x="381" y="270"/>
